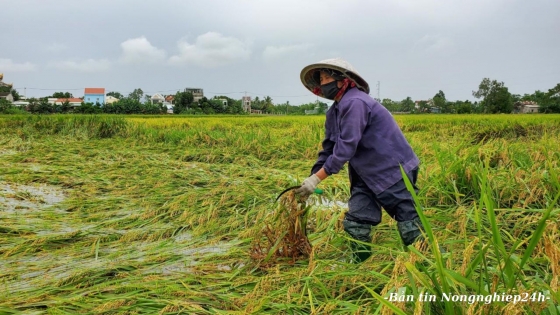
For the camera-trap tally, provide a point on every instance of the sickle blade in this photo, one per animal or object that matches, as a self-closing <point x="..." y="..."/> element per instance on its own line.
<point x="285" y="191"/>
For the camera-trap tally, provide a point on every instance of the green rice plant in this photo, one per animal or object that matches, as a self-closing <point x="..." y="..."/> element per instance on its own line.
<point x="159" y="215"/>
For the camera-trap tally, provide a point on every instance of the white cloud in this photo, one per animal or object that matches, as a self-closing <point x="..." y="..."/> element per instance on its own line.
<point x="89" y="65"/>
<point x="272" y="53"/>
<point x="141" y="51"/>
<point x="211" y="50"/>
<point x="56" y="47"/>
<point x="7" y="65"/>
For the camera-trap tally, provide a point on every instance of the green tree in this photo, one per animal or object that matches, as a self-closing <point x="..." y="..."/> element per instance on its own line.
<point x="463" y="107"/>
<point x="65" y="107"/>
<point x="323" y="107"/>
<point x="136" y="95"/>
<point x="407" y="105"/>
<point x="44" y="107"/>
<point x="147" y="99"/>
<point x="423" y="107"/>
<point x="496" y="97"/>
<point x="5" y="105"/>
<point x="115" y="94"/>
<point x="130" y="106"/>
<point x="32" y="106"/>
<point x="183" y="100"/>
<point x="440" y="102"/>
<point x="15" y="95"/>
<point x="86" y="108"/>
<point x="62" y="95"/>
<point x="257" y="104"/>
<point x="267" y="104"/>
<point x="236" y="107"/>
<point x="551" y="102"/>
<point x="391" y="105"/>
<point x="149" y="108"/>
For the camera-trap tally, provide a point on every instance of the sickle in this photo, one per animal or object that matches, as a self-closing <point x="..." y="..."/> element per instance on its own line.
<point x="285" y="191"/>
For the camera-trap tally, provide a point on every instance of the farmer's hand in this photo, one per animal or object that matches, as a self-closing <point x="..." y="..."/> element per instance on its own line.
<point x="308" y="186"/>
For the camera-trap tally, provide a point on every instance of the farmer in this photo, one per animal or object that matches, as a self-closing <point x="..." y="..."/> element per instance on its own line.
<point x="360" y="131"/>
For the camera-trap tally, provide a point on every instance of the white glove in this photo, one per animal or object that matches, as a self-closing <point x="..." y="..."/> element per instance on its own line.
<point x="308" y="186"/>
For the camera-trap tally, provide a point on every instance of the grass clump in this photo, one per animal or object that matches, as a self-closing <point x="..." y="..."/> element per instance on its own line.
<point x="285" y="232"/>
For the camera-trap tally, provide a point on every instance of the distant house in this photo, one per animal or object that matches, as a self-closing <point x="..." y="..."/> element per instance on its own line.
<point x="6" y="89"/>
<point x="20" y="103"/>
<point x="7" y="96"/>
<point x="224" y="102"/>
<point x="110" y="99"/>
<point x="94" y="95"/>
<point x="169" y="107"/>
<point x="157" y="98"/>
<point x="74" y="102"/>
<point x="429" y="102"/>
<point x="525" y="107"/>
<point x="197" y="93"/>
<point x="313" y="111"/>
<point x="532" y="108"/>
<point x="170" y="99"/>
<point x="246" y="102"/>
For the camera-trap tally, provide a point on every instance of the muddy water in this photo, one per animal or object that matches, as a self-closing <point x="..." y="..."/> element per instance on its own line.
<point x="31" y="207"/>
<point x="322" y="203"/>
<point x="22" y="198"/>
<point x="191" y="254"/>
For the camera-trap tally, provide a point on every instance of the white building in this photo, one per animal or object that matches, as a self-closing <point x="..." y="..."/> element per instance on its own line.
<point x="6" y="89"/>
<point x="246" y="102"/>
<point x="74" y="102"/>
<point x="20" y="103"/>
<point x="530" y="108"/>
<point x="110" y="99"/>
<point x="224" y="102"/>
<point x="157" y="98"/>
<point x="169" y="107"/>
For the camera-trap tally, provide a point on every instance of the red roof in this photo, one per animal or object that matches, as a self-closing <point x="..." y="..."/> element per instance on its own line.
<point x="95" y="91"/>
<point x="69" y="100"/>
<point x="169" y="97"/>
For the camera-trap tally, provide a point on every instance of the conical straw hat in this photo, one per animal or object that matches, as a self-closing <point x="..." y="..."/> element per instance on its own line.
<point x="343" y="66"/>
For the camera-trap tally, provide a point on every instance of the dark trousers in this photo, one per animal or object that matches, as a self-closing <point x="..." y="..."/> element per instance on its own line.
<point x="365" y="206"/>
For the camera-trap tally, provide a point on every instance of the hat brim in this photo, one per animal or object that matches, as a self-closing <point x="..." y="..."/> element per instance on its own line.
<point x="306" y="77"/>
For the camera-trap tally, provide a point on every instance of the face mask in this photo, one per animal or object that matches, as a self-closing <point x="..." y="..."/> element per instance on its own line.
<point x="329" y="90"/>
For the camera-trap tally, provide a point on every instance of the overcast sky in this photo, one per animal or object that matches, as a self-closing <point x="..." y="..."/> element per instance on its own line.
<point x="412" y="47"/>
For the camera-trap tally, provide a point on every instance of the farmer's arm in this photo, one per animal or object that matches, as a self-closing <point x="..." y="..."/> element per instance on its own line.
<point x="324" y="154"/>
<point x="354" y="117"/>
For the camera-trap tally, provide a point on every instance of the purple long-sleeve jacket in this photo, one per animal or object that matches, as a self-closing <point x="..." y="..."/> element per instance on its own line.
<point x="362" y="132"/>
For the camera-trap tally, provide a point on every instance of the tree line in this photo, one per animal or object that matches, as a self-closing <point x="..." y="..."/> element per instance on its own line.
<point x="493" y="97"/>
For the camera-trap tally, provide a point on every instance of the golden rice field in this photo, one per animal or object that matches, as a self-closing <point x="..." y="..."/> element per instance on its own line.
<point x="158" y="215"/>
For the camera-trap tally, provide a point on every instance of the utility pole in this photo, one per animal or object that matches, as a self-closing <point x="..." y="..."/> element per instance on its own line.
<point x="378" y="89"/>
